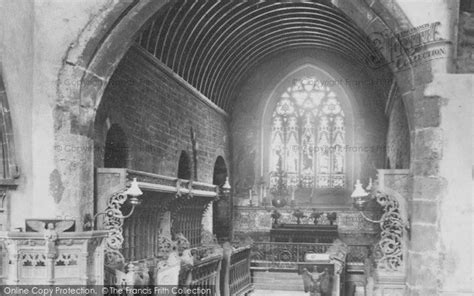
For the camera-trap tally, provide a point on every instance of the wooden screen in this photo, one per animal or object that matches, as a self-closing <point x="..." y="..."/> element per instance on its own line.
<point x="141" y="230"/>
<point x="187" y="218"/>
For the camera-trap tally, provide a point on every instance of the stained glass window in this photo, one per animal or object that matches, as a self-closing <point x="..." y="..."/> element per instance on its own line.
<point x="308" y="136"/>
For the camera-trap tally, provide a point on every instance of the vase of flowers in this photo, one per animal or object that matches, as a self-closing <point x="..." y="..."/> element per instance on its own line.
<point x="332" y="217"/>
<point x="315" y="216"/>
<point x="298" y="214"/>
<point x="275" y="216"/>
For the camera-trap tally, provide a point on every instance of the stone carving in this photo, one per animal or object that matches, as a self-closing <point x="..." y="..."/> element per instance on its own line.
<point x="182" y="243"/>
<point x="207" y="238"/>
<point x="51" y="236"/>
<point x="54" y="258"/>
<point x="315" y="283"/>
<point x="165" y="246"/>
<point x="167" y="272"/>
<point x="33" y="259"/>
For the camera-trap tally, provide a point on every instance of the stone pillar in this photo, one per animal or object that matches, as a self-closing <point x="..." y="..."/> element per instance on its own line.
<point x="71" y="183"/>
<point x="440" y="256"/>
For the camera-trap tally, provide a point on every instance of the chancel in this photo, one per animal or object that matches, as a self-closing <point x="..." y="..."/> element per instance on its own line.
<point x="304" y="147"/>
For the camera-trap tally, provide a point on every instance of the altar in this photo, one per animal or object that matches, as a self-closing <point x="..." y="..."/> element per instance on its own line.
<point x="304" y="233"/>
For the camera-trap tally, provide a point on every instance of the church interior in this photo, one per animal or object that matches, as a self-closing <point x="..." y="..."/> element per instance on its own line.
<point x="180" y="147"/>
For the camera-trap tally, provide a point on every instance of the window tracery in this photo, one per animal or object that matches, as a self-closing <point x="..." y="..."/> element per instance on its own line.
<point x="308" y="136"/>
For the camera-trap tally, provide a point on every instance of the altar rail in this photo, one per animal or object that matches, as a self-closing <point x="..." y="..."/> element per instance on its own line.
<point x="286" y="256"/>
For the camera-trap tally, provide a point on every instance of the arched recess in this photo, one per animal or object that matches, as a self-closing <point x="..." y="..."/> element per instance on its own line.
<point x="220" y="172"/>
<point x="91" y="60"/>
<point x="222" y="208"/>
<point x="116" y="148"/>
<point x="184" y="166"/>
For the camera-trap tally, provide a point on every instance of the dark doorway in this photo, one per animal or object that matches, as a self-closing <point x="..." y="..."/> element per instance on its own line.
<point x="222" y="208"/>
<point x="220" y="172"/>
<point x="116" y="149"/>
<point x="184" y="166"/>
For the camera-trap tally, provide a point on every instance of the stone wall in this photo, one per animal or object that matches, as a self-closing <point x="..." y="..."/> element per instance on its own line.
<point x="443" y="232"/>
<point x="160" y="118"/>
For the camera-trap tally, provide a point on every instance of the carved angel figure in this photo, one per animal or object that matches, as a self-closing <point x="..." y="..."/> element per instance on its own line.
<point x="58" y="226"/>
<point x="317" y="284"/>
<point x="50" y="232"/>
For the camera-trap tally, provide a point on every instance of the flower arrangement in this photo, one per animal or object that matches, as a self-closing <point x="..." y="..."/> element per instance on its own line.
<point x="275" y="216"/>
<point x="332" y="217"/>
<point x="315" y="216"/>
<point x="298" y="214"/>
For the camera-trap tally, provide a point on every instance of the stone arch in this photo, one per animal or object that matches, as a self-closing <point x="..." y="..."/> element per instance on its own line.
<point x="92" y="59"/>
<point x="376" y="18"/>
<point x="90" y="62"/>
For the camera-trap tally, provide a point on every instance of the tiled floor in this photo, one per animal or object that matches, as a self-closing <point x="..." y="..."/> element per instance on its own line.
<point x="278" y="293"/>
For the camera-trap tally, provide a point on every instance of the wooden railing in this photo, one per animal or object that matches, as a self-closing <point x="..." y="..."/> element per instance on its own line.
<point x="236" y="278"/>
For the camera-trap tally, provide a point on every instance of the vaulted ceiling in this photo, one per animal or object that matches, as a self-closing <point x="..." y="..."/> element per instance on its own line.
<point x="213" y="44"/>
